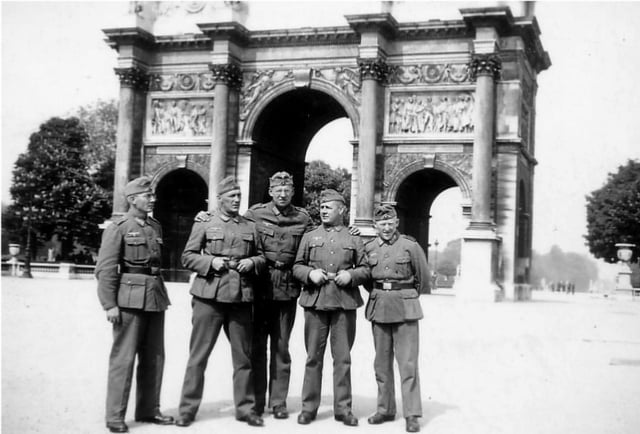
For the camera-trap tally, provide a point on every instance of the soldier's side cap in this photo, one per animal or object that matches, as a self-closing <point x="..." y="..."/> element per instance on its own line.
<point x="227" y="184"/>
<point x="384" y="212"/>
<point x="329" y="194"/>
<point x="280" y="178"/>
<point x="137" y="186"/>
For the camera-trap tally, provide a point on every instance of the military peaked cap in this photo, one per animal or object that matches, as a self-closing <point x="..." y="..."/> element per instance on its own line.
<point x="280" y="178"/>
<point x="384" y="212"/>
<point x="329" y="195"/>
<point x="137" y="186"/>
<point x="227" y="184"/>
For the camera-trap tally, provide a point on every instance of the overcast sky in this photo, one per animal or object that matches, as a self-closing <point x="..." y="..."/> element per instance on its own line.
<point x="54" y="59"/>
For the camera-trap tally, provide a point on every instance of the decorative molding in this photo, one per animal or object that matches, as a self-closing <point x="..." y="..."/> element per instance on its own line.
<point x="228" y="73"/>
<point x="157" y="166"/>
<point x="133" y="77"/>
<point x="373" y="69"/>
<point x="182" y="82"/>
<point x="181" y="117"/>
<point x="485" y="64"/>
<point x="433" y="112"/>
<point x="256" y="86"/>
<point x="443" y="73"/>
<point x="347" y="79"/>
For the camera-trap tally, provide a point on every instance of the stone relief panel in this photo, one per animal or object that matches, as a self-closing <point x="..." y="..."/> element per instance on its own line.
<point x="445" y="73"/>
<point x="430" y="113"/>
<point x="181" y="117"/>
<point x="256" y="84"/>
<point x="345" y="78"/>
<point x="182" y="82"/>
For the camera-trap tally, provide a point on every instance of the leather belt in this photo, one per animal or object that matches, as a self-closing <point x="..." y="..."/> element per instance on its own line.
<point x="150" y="271"/>
<point x="231" y="264"/>
<point x="392" y="286"/>
<point x="279" y="265"/>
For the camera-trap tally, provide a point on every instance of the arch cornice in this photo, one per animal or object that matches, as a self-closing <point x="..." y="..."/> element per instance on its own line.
<point x="277" y="89"/>
<point x="415" y="163"/>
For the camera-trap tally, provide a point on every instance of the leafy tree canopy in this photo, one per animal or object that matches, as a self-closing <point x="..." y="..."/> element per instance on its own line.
<point x="556" y="266"/>
<point x="53" y="189"/>
<point x="319" y="176"/>
<point x="613" y="213"/>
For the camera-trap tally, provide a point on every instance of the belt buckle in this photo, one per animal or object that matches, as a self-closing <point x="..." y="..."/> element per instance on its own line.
<point x="331" y="276"/>
<point x="278" y="264"/>
<point x="387" y="286"/>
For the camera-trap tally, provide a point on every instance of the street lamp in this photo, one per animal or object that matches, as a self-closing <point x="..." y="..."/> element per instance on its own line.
<point x="27" y="253"/>
<point x="435" y="264"/>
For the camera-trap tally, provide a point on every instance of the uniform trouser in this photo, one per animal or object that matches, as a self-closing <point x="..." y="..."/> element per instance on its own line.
<point x="138" y="333"/>
<point x="272" y="320"/>
<point x="208" y="318"/>
<point x="317" y="326"/>
<point x="403" y="340"/>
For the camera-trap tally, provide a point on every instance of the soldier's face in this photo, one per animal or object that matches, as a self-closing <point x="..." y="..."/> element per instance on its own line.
<point x="281" y="195"/>
<point x="331" y="212"/>
<point x="229" y="202"/>
<point x="143" y="202"/>
<point x="386" y="228"/>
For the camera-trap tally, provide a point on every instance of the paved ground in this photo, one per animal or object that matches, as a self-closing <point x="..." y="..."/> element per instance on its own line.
<point x="558" y="364"/>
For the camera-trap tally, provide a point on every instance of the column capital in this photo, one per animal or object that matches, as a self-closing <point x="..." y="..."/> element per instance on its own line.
<point x="133" y="77"/>
<point x="373" y="69"/>
<point x="228" y="73"/>
<point x="485" y="64"/>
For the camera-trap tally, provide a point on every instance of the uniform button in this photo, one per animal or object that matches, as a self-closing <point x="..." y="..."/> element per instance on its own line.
<point x="331" y="252"/>
<point x="386" y="268"/>
<point x="330" y="265"/>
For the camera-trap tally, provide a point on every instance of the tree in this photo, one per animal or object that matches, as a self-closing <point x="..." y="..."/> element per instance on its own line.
<point x="52" y="188"/>
<point x="100" y="121"/>
<point x="613" y="212"/>
<point x="319" y="176"/>
<point x="557" y="266"/>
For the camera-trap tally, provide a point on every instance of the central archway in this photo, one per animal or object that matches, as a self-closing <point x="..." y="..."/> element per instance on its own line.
<point x="282" y="134"/>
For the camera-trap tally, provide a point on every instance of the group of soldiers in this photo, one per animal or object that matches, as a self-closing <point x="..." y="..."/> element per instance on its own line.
<point x="249" y="272"/>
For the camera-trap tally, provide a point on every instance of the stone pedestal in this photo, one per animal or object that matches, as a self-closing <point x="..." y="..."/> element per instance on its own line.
<point x="479" y="254"/>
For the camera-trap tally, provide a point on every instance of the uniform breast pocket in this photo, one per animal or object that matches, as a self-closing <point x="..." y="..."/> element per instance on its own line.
<point x="215" y="240"/>
<point x="136" y="249"/>
<point x="315" y="251"/>
<point x="268" y="238"/>
<point x="349" y="255"/>
<point x="248" y="244"/>
<point x="294" y="239"/>
<point x="403" y="267"/>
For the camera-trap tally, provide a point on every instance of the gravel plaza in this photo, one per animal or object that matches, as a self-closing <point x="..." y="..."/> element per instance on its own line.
<point x="560" y="363"/>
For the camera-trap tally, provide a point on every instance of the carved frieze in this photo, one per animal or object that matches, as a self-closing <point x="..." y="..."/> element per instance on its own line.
<point x="345" y="78"/>
<point x="257" y="83"/>
<point x="430" y="112"/>
<point x="444" y="73"/>
<point x="462" y="162"/>
<point x="396" y="163"/>
<point x="181" y="117"/>
<point x="182" y="82"/>
<point x="485" y="64"/>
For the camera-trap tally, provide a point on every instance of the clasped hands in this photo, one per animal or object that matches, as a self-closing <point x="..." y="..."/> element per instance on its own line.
<point x="320" y="277"/>
<point x="220" y="263"/>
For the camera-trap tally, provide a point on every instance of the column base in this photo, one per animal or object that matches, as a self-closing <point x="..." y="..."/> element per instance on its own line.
<point x="366" y="226"/>
<point x="479" y="266"/>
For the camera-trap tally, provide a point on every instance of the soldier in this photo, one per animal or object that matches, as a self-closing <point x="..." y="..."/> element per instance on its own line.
<point x="399" y="274"/>
<point x="281" y="226"/>
<point x="331" y="264"/>
<point x="133" y="294"/>
<point x="226" y="254"/>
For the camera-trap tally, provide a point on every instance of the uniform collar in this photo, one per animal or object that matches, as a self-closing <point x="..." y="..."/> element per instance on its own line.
<point x="225" y="218"/>
<point x="285" y="212"/>
<point x="142" y="221"/>
<point x="393" y="239"/>
<point x="337" y="228"/>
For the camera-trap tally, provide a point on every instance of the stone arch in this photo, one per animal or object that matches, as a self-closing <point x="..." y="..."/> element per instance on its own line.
<point x="460" y="178"/>
<point x="278" y="89"/>
<point x="179" y="163"/>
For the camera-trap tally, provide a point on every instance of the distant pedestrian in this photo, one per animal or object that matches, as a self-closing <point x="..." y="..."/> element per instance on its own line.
<point x="331" y="264"/>
<point x="226" y="254"/>
<point x="133" y="294"/>
<point x="399" y="274"/>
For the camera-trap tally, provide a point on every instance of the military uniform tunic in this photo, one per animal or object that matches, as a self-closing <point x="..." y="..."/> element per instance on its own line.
<point x="399" y="273"/>
<point x="275" y="301"/>
<point x="330" y="309"/>
<point x="128" y="277"/>
<point x="221" y="299"/>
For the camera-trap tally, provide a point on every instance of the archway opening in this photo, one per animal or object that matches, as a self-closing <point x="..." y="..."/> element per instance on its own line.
<point x="446" y="226"/>
<point x="282" y="135"/>
<point x="180" y="195"/>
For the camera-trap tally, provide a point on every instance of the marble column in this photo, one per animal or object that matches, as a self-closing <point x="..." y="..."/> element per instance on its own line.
<point x="228" y="78"/>
<point x="134" y="82"/>
<point x="373" y="73"/>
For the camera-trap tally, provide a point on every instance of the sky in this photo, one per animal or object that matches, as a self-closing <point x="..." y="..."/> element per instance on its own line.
<point x="54" y="60"/>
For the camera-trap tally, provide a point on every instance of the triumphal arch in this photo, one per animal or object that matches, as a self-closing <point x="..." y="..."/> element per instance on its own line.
<point x="206" y="92"/>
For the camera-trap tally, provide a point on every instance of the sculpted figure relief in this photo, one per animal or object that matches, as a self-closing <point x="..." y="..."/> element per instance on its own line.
<point x="431" y="113"/>
<point x="181" y="117"/>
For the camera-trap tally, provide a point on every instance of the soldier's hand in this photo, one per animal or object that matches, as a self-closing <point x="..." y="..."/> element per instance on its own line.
<point x="202" y="216"/>
<point x="354" y="230"/>
<point x="217" y="263"/>
<point x="113" y="315"/>
<point x="245" y="265"/>
<point x="343" y="278"/>
<point x="318" y="277"/>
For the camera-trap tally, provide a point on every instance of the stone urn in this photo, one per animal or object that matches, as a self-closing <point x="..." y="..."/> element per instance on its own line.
<point x="14" y="250"/>
<point x="623" y="279"/>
